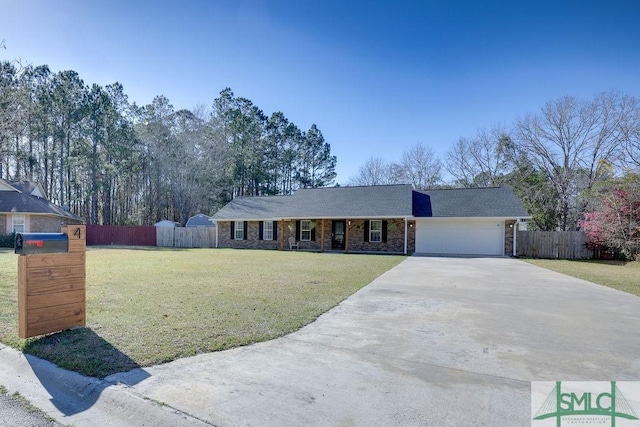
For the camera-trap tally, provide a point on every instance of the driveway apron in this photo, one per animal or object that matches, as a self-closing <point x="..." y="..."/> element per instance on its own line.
<point x="434" y="341"/>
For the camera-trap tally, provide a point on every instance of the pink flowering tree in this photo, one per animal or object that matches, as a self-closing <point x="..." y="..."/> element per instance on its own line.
<point x="615" y="225"/>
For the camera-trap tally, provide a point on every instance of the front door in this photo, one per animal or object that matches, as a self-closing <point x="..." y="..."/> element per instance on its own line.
<point x="337" y="234"/>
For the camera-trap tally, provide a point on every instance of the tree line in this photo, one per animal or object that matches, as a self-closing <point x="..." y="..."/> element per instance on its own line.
<point x="562" y="161"/>
<point x="114" y="162"/>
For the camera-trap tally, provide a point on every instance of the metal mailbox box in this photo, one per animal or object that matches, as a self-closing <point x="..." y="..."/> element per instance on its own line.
<point x="41" y="243"/>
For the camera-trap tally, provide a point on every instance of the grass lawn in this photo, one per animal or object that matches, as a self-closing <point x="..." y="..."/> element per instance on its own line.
<point x="147" y="306"/>
<point x="614" y="274"/>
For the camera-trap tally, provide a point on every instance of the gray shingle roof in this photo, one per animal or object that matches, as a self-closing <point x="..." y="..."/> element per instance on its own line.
<point x="25" y="187"/>
<point x="18" y="202"/>
<point x="468" y="203"/>
<point x="384" y="201"/>
<point x="248" y="208"/>
<point x="200" y="220"/>
<point x="353" y="202"/>
<point x="333" y="202"/>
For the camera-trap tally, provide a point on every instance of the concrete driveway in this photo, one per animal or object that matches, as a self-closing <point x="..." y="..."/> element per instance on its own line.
<point x="434" y="341"/>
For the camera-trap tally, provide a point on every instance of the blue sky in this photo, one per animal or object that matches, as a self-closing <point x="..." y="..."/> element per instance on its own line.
<point x="376" y="77"/>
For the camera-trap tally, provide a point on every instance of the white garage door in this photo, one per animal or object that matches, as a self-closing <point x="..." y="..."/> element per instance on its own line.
<point x="481" y="237"/>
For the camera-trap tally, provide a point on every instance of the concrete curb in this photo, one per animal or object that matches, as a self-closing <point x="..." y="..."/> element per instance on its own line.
<point x="74" y="399"/>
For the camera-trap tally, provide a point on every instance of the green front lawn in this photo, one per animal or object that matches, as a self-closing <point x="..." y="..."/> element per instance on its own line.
<point x="151" y="305"/>
<point x="614" y="274"/>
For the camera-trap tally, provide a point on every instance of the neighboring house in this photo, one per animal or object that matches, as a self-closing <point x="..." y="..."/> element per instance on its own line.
<point x="200" y="220"/>
<point x="24" y="207"/>
<point x="388" y="219"/>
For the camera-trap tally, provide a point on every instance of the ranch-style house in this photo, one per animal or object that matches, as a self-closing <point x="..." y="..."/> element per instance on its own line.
<point x="394" y="219"/>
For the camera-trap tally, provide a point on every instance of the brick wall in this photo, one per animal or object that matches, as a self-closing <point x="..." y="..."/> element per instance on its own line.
<point x="48" y="224"/>
<point x="411" y="237"/>
<point x="251" y="241"/>
<point x="312" y="245"/>
<point x="323" y="236"/>
<point x="356" y="240"/>
<point x="395" y="237"/>
<point x="38" y="223"/>
<point x="509" y="227"/>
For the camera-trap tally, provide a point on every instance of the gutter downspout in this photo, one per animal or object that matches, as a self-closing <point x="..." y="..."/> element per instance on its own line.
<point x="406" y="234"/>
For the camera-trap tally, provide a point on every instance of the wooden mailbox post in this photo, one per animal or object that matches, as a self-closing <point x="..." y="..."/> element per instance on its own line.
<point x="51" y="287"/>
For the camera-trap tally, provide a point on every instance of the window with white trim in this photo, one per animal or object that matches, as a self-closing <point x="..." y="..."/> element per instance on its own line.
<point x="305" y="230"/>
<point x="267" y="230"/>
<point x="375" y="230"/>
<point x="238" y="232"/>
<point x="17" y="223"/>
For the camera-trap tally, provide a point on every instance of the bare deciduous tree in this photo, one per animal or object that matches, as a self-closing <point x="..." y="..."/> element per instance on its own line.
<point x="630" y="130"/>
<point x="459" y="163"/>
<point x="418" y="166"/>
<point x="489" y="152"/>
<point x="569" y="140"/>
<point x="480" y="161"/>
<point x="375" y="171"/>
<point x="421" y="167"/>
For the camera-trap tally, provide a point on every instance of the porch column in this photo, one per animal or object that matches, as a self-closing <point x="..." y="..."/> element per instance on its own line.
<point x="322" y="235"/>
<point x="346" y="235"/>
<point x="282" y="235"/>
<point x="406" y="235"/>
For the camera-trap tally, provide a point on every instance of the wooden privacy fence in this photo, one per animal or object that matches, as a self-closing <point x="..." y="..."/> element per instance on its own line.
<point x="553" y="244"/>
<point x="121" y="235"/>
<point x="186" y="237"/>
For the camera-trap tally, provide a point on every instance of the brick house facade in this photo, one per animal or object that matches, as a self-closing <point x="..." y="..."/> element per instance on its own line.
<point x="24" y="207"/>
<point x="322" y="236"/>
<point x="510" y="228"/>
<point x="36" y="223"/>
<point x="375" y="219"/>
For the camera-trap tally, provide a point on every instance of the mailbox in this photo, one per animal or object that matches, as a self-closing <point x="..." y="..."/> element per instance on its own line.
<point x="41" y="243"/>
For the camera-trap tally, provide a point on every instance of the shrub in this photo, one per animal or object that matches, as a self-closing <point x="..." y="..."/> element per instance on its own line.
<point x="8" y="240"/>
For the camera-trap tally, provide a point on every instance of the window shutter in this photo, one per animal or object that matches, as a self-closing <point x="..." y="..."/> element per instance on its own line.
<point x="384" y="231"/>
<point x="244" y="237"/>
<point x="313" y="234"/>
<point x="275" y="230"/>
<point x="366" y="231"/>
<point x="297" y="230"/>
<point x="260" y="230"/>
<point x="233" y="230"/>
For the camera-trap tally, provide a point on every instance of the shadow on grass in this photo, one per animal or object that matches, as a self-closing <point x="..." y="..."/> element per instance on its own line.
<point x="87" y="355"/>
<point x="614" y="262"/>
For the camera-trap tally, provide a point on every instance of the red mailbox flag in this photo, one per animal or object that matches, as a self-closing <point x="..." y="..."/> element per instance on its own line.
<point x="38" y="243"/>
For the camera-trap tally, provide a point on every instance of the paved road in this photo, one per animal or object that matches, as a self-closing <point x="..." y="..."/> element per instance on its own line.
<point x="434" y="341"/>
<point x="14" y="413"/>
